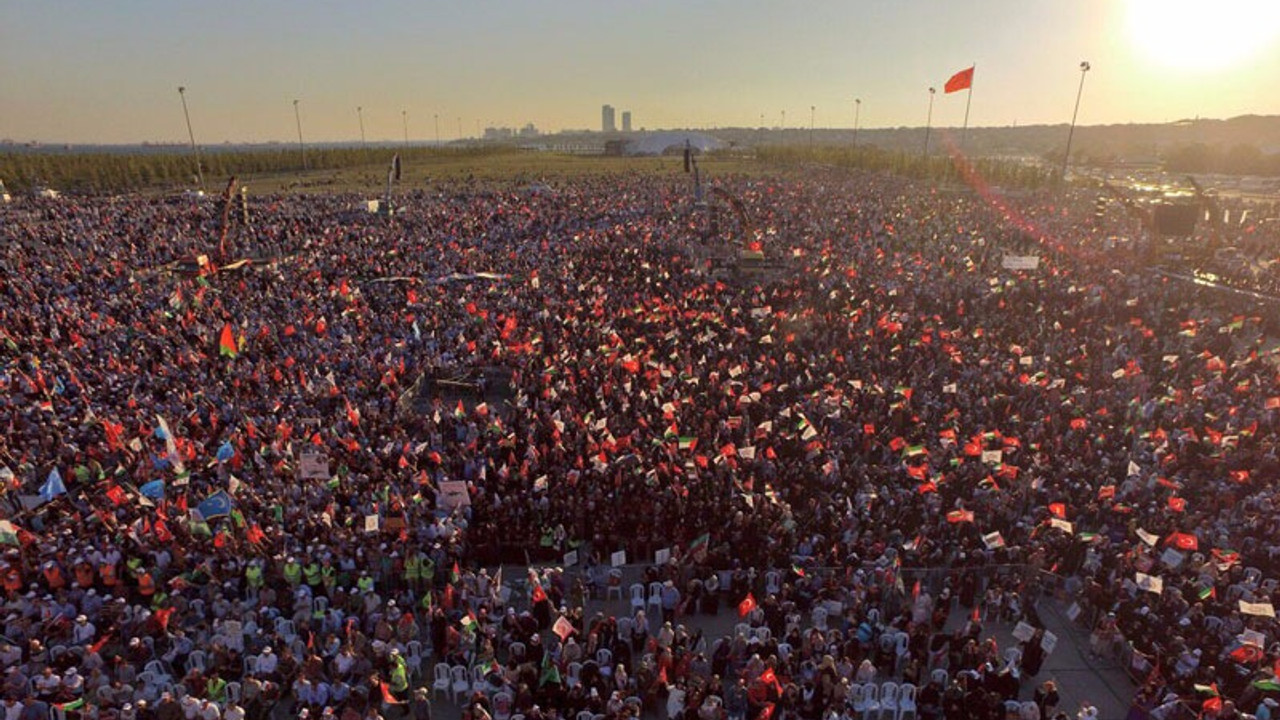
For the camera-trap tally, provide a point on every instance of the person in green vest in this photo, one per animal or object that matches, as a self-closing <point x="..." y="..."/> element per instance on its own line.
<point x="365" y="583"/>
<point x="328" y="577"/>
<point x="253" y="576"/>
<point x="413" y="570"/>
<point x="215" y="689"/>
<point x="399" y="674"/>
<point x="312" y="573"/>
<point x="292" y="573"/>
<point x="427" y="570"/>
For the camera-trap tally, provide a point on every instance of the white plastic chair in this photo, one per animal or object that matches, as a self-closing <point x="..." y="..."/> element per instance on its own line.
<point x="773" y="582"/>
<point x="940" y="676"/>
<point x="478" y="682"/>
<point x="889" y="700"/>
<point x="585" y="715"/>
<point x="196" y="660"/>
<point x="234" y="692"/>
<point x="413" y="657"/>
<point x="502" y="703"/>
<point x="442" y="681"/>
<point x="868" y="704"/>
<point x="460" y="682"/>
<point x="820" y="618"/>
<point x="742" y="630"/>
<point x="614" y="584"/>
<point x="762" y="633"/>
<point x="625" y="625"/>
<point x="655" y="599"/>
<point x="573" y="676"/>
<point x="637" y="597"/>
<point x="604" y="658"/>
<point x="907" y="701"/>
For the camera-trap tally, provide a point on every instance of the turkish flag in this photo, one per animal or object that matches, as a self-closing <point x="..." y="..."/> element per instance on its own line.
<point x="962" y="80"/>
<point x="1059" y="510"/>
<point x="747" y="605"/>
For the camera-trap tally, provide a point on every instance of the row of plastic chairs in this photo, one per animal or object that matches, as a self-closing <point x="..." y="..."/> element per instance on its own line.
<point x="886" y="700"/>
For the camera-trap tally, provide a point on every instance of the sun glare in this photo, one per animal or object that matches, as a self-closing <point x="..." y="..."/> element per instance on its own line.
<point x="1205" y="35"/>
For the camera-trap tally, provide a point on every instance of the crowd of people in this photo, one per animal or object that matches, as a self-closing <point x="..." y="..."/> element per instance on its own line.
<point x="223" y="499"/>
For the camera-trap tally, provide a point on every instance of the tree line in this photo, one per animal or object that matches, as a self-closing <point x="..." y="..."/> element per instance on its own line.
<point x="940" y="168"/>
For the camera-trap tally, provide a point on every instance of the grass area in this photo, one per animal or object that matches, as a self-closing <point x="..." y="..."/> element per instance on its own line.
<point x="513" y="167"/>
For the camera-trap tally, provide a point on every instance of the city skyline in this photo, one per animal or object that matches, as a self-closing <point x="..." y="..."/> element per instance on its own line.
<point x="82" y="72"/>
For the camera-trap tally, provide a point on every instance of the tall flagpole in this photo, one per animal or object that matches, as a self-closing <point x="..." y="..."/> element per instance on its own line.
<point x="928" y="124"/>
<point x="1066" y="156"/>
<point x="964" y="132"/>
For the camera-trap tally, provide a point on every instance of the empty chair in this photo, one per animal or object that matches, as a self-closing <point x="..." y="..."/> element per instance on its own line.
<point x="604" y="658"/>
<point x="234" y="692"/>
<point x="460" y="683"/>
<point x="637" y="597"/>
<point x="907" y="701"/>
<point x="625" y="625"/>
<point x="413" y="656"/>
<point x="655" y="599"/>
<point x="742" y="630"/>
<point x="773" y="582"/>
<point x="196" y="660"/>
<point x="573" y="677"/>
<point x="820" y="618"/>
<point x="940" y="677"/>
<point x="889" y="700"/>
<point x="478" y="682"/>
<point x="868" y="703"/>
<point x="442" y="682"/>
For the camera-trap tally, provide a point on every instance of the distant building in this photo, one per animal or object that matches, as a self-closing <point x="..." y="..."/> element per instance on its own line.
<point x="626" y="121"/>
<point x="529" y="131"/>
<point x="606" y="120"/>
<point x="499" y="133"/>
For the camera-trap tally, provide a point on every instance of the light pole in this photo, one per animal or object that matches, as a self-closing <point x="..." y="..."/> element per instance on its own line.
<point x="857" y="109"/>
<point x="182" y="92"/>
<point x="1066" y="156"/>
<point x="437" y="116"/>
<point x="459" y="128"/>
<point x="360" y="114"/>
<point x="928" y="123"/>
<point x="813" y="112"/>
<point x="404" y="115"/>
<point x="297" y="116"/>
<point x="783" y="126"/>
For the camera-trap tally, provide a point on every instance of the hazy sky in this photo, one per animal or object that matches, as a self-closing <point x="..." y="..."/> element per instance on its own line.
<point x="108" y="70"/>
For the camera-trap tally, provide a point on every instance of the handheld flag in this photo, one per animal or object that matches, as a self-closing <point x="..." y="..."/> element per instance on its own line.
<point x="395" y="167"/>
<point x="153" y="490"/>
<point x="227" y="342"/>
<point x="747" y="605"/>
<point x="53" y="486"/>
<point x="215" y="506"/>
<point x="962" y="80"/>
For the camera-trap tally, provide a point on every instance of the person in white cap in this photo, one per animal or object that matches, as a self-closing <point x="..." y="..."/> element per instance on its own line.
<point x="83" y="632"/>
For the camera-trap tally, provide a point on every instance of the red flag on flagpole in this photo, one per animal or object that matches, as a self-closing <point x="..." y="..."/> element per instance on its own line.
<point x="962" y="80"/>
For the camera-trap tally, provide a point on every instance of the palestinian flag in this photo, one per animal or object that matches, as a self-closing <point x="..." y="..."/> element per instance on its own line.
<point x="455" y="574"/>
<point x="799" y="571"/>
<point x="914" y="450"/>
<point x="8" y="533"/>
<point x="468" y="622"/>
<point x="1208" y="592"/>
<point x="687" y="443"/>
<point x="227" y="342"/>
<point x="698" y="548"/>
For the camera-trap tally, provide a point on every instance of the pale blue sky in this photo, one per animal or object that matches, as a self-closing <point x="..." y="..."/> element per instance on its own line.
<point x="108" y="70"/>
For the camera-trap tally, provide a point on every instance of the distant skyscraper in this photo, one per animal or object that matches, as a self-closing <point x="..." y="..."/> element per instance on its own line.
<point x="626" y="121"/>
<point x="606" y="119"/>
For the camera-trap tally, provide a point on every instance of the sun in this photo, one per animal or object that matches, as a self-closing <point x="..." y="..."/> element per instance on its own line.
<point x="1205" y="35"/>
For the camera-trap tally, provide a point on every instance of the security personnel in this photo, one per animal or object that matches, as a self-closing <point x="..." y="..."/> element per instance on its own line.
<point x="292" y="573"/>
<point x="85" y="576"/>
<point x="146" y="584"/>
<point x="253" y="576"/>
<point x="328" y="576"/>
<point x="399" y="674"/>
<point x="12" y="579"/>
<point x="53" y="576"/>
<point x="312" y="573"/>
<point x="413" y="569"/>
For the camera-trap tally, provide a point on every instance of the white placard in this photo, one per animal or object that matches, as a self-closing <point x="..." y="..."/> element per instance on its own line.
<point x="1062" y="525"/>
<point x="662" y="556"/>
<point x="618" y="559"/>
<point x="1171" y="558"/>
<point x="993" y="457"/>
<point x="571" y="558"/>
<point x="1020" y="262"/>
<point x="453" y="494"/>
<point x="1263" y="609"/>
<point x="1150" y="583"/>
<point x="1023" y="631"/>
<point x="313" y="465"/>
<point x="1253" y="637"/>
<point x="1048" y="642"/>
<point x="1073" y="612"/>
<point x="371" y="523"/>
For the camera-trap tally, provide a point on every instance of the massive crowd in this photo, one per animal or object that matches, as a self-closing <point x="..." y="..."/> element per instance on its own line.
<point x="842" y="449"/>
